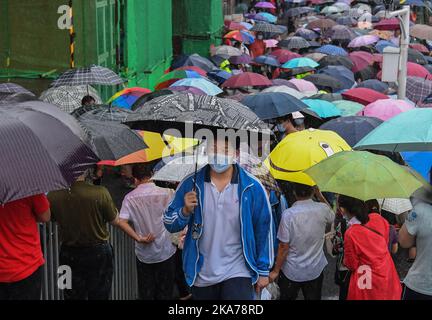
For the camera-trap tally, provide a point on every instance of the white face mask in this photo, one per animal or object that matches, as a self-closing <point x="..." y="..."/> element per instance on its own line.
<point x="260" y="37"/>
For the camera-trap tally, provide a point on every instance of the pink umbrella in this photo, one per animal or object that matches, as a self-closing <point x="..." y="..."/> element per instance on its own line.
<point x="232" y="25"/>
<point x="265" y="5"/>
<point x="271" y="43"/>
<point x="303" y="85"/>
<point x="284" y="55"/>
<point x="388" y="24"/>
<point x="360" y="59"/>
<point x="414" y="70"/>
<point x="419" y="47"/>
<point x="377" y="57"/>
<point x="363" y="41"/>
<point x="247" y="79"/>
<point x="385" y="109"/>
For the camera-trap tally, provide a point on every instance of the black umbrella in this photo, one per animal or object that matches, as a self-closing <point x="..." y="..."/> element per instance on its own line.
<point x="352" y="129"/>
<point x="374" y="84"/>
<point x="149" y="97"/>
<point x="416" y="57"/>
<point x="88" y="76"/>
<point x="336" y="61"/>
<point x="271" y="105"/>
<point x="267" y="28"/>
<point x="327" y="96"/>
<point x="9" y="87"/>
<point x="294" y="43"/>
<point x="112" y="140"/>
<point x="344" y="75"/>
<point x="323" y="81"/>
<point x="341" y="33"/>
<point x="366" y="73"/>
<point x="42" y="149"/>
<point x="10" y="98"/>
<point x="193" y="60"/>
<point x="101" y="113"/>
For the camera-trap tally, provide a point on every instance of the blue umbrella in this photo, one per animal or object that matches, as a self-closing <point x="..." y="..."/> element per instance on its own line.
<point x="352" y="129"/>
<point x="374" y="84"/>
<point x="306" y="34"/>
<point x="300" y="63"/>
<point x="415" y="3"/>
<point x="332" y="50"/>
<point x="268" y="60"/>
<point x="247" y="25"/>
<point x="202" y="84"/>
<point x="267" y="16"/>
<point x="220" y="76"/>
<point x="271" y="105"/>
<point x="420" y="161"/>
<point x="343" y="74"/>
<point x="323" y="108"/>
<point x="380" y="45"/>
<point x="346" y="21"/>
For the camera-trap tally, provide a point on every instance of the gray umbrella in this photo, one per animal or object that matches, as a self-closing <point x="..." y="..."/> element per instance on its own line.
<point x="416" y="57"/>
<point x="9" y="87"/>
<point x="346" y="21"/>
<point x="267" y="27"/>
<point x="306" y="34"/>
<point x="43" y="149"/>
<point x="10" y="98"/>
<point x="336" y="61"/>
<point x="88" y="76"/>
<point x="113" y="140"/>
<point x="101" y="113"/>
<point x="341" y="33"/>
<point x="294" y="43"/>
<point x="173" y="111"/>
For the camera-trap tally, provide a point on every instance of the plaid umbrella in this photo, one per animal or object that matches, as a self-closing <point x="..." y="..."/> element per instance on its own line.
<point x="9" y="87"/>
<point x="227" y="51"/>
<point x="101" y="113"/>
<point x="267" y="27"/>
<point x="418" y="89"/>
<point x="340" y="33"/>
<point x="322" y="24"/>
<point x="175" y="110"/>
<point x="88" y="76"/>
<point x="11" y="98"/>
<point x="306" y="34"/>
<point x="112" y="140"/>
<point x="68" y="98"/>
<point x="294" y="43"/>
<point x="43" y="149"/>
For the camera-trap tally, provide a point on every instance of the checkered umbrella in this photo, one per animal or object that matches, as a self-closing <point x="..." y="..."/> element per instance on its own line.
<point x="68" y="98"/>
<point x="88" y="76"/>
<point x="10" y="87"/>
<point x="294" y="43"/>
<point x="267" y="27"/>
<point x="418" y="89"/>
<point x="101" y="113"/>
<point x="340" y="33"/>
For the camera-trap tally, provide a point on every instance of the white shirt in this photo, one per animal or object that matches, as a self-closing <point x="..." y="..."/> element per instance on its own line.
<point x="144" y="207"/>
<point x="303" y="228"/>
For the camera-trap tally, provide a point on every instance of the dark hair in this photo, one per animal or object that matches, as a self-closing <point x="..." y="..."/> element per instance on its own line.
<point x="88" y="99"/>
<point x="373" y="206"/>
<point x="355" y="207"/>
<point x="142" y="171"/>
<point x="302" y="190"/>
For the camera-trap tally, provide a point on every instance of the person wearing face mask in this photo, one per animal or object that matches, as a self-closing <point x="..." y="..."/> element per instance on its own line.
<point x="258" y="47"/>
<point x="228" y="248"/>
<point x="290" y="123"/>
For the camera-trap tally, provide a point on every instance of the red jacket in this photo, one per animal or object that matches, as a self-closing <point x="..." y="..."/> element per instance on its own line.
<point x="366" y="254"/>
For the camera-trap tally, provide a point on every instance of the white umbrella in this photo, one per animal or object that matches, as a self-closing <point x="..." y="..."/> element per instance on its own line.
<point x="395" y="205"/>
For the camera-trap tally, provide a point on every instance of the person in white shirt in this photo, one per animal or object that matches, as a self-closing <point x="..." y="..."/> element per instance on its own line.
<point x="144" y="208"/>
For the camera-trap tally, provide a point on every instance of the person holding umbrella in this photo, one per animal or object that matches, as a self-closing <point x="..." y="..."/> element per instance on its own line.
<point x="229" y="244"/>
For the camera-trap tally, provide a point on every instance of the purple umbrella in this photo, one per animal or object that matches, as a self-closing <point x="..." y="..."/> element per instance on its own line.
<point x="363" y="41"/>
<point x="265" y="5"/>
<point x="283" y="82"/>
<point x="243" y="59"/>
<point x="185" y="89"/>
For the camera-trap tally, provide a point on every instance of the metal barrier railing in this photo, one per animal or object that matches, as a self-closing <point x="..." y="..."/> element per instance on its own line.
<point x="125" y="276"/>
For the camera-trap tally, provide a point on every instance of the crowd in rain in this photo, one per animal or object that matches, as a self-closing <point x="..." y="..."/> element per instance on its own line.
<point x="340" y="168"/>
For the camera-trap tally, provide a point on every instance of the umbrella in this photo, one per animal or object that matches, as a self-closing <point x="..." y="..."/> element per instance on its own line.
<point x="388" y="24"/>
<point x="271" y="43"/>
<point x="88" y="76"/>
<point x="241" y="36"/>
<point x="306" y="34"/>
<point x="127" y="97"/>
<point x="294" y="43"/>
<point x="417" y="46"/>
<point x="9" y="87"/>
<point x="185" y="89"/>
<point x="421" y="31"/>
<point x="272" y="105"/>
<point x="303" y="85"/>
<point x="386" y="35"/>
<point x="330" y="10"/>
<point x="341" y="33"/>
<point x="364" y="175"/>
<point x="299" y="63"/>
<point x="150" y="96"/>
<point x="316" y="56"/>
<point x="177" y="110"/>
<point x="363" y="41"/>
<point x="232" y="25"/>
<point x="365" y="74"/>
<point x="346" y="21"/>
<point x="348" y="108"/>
<point x="414" y="70"/>
<point x="360" y="59"/>
<point x="69" y="98"/>
<point x="374" y="84"/>
<point x="301" y="150"/>
<point x="344" y="75"/>
<point x="202" y="84"/>
<point x="228" y="51"/>
<point x="332" y="50"/>
<point x="265" y="5"/>
<point x="418" y="89"/>
<point x="268" y="60"/>
<point x="353" y="128"/>
<point x="284" y="55"/>
<point x="322" y="24"/>
<point x="420" y="161"/>
<point x="243" y="59"/>
<point x="395" y="205"/>
<point x="193" y="60"/>
<point x="364" y="96"/>
<point x="380" y="45"/>
<point x="169" y="78"/>
<point x="327" y="96"/>
<point x="11" y="98"/>
<point x="336" y="61"/>
<point x="408" y="131"/>
<point x="43" y="149"/>
<point x="322" y="108"/>
<point x="267" y="28"/>
<point x="284" y="89"/>
<point x="114" y="141"/>
<point x="220" y="76"/>
<point x="101" y="113"/>
<point x="282" y="82"/>
<point x="324" y="81"/>
<point x="267" y="17"/>
<point x="198" y="70"/>
<point x="416" y="57"/>
<point x="246" y="79"/>
<point x="385" y="109"/>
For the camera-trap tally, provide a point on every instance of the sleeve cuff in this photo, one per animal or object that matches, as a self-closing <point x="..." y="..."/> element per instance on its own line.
<point x="182" y="216"/>
<point x="263" y="273"/>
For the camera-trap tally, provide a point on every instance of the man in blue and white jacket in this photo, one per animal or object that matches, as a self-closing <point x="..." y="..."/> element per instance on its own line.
<point x="229" y="244"/>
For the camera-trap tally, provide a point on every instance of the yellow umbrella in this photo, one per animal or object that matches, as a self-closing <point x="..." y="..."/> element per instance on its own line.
<point x="159" y="147"/>
<point x="300" y="151"/>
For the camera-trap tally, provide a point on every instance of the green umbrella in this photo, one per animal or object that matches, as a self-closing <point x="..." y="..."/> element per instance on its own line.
<point x="408" y="131"/>
<point x="364" y="175"/>
<point x="348" y="108"/>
